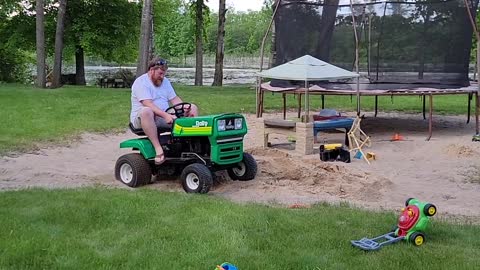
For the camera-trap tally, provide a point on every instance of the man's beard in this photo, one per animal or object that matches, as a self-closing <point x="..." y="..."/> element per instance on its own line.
<point x="158" y="82"/>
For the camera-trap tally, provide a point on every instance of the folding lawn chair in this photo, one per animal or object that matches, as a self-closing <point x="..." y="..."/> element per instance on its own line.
<point x="357" y="139"/>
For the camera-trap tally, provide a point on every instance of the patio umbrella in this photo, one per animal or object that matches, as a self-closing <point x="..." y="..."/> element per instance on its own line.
<point x="307" y="68"/>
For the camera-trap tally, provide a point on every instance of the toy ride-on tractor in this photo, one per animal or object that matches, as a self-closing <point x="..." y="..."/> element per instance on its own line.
<point x="411" y="226"/>
<point x="195" y="146"/>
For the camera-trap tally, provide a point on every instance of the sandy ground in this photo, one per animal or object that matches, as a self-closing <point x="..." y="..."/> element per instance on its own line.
<point x="444" y="171"/>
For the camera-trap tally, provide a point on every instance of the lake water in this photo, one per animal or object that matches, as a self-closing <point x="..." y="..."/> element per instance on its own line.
<point x="181" y="75"/>
<point x="245" y="76"/>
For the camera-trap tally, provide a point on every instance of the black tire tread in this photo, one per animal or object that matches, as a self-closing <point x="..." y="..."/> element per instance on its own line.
<point x="414" y="235"/>
<point x="427" y="206"/>
<point x="142" y="173"/>
<point x="250" y="169"/>
<point x="408" y="201"/>
<point x="204" y="175"/>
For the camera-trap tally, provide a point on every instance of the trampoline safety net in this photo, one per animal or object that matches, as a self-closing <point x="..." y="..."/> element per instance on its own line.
<point x="399" y="41"/>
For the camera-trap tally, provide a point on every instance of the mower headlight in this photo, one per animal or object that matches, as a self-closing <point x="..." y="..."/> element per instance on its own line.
<point x="238" y="123"/>
<point x="221" y="125"/>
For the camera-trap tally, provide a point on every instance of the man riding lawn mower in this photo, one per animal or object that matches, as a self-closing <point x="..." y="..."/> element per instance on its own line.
<point x="196" y="146"/>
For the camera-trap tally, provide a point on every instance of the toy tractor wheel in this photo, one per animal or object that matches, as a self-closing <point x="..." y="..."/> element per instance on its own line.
<point x="417" y="238"/>
<point x="245" y="169"/>
<point x="133" y="170"/>
<point x="429" y="210"/>
<point x="196" y="178"/>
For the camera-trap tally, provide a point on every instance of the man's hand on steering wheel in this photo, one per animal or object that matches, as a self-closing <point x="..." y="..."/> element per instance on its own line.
<point x="179" y="110"/>
<point x="170" y="118"/>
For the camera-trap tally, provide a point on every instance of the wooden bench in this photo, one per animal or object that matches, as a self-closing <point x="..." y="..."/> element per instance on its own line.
<point x="111" y="82"/>
<point x="277" y="126"/>
<point x="303" y="133"/>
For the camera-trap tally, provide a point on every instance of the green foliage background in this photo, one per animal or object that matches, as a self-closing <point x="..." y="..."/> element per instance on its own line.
<point x="108" y="32"/>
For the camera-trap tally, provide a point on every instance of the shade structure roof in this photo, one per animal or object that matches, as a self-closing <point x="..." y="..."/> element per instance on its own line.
<point x="307" y="68"/>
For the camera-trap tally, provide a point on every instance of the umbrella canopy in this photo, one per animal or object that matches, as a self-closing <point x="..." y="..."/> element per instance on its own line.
<point x="307" y="68"/>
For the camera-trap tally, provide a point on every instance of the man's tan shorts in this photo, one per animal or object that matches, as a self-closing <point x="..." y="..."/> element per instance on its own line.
<point x="159" y="122"/>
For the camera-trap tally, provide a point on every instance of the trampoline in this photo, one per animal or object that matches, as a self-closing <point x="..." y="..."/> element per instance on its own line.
<point x="419" y="48"/>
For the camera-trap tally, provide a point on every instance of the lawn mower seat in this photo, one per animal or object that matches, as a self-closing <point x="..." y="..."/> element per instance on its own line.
<point x="139" y="131"/>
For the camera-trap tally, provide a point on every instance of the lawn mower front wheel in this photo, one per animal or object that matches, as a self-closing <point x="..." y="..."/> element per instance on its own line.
<point x="133" y="170"/>
<point x="196" y="178"/>
<point x="244" y="170"/>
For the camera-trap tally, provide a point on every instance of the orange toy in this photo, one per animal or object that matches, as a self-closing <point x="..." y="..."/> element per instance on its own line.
<point x="397" y="137"/>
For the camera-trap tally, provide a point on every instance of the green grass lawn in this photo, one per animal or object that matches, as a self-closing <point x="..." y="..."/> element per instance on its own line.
<point x="31" y="116"/>
<point x="97" y="228"/>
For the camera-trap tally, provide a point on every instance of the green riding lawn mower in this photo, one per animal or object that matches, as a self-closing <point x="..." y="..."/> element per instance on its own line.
<point x="194" y="147"/>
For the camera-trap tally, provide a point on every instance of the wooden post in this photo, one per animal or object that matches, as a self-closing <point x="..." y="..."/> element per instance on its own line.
<point x="262" y="49"/>
<point x="356" y="58"/>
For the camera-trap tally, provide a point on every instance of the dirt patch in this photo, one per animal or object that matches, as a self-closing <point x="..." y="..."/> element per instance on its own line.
<point x="460" y="151"/>
<point x="439" y="171"/>
<point x="312" y="176"/>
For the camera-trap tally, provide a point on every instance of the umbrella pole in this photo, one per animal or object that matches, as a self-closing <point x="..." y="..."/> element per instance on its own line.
<point x="307" y="102"/>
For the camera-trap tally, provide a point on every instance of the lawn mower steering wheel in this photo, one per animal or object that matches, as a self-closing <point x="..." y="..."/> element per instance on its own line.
<point x="179" y="109"/>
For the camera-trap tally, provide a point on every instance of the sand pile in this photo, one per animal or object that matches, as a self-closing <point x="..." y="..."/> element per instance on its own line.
<point x="311" y="176"/>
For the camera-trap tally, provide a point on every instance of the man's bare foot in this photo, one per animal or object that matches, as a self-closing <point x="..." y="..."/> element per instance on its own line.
<point x="159" y="159"/>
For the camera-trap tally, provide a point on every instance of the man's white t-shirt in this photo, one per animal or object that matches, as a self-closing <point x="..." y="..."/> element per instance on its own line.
<point x="143" y="88"/>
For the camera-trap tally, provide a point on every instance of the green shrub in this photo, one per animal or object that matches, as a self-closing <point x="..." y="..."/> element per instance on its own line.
<point x="13" y="65"/>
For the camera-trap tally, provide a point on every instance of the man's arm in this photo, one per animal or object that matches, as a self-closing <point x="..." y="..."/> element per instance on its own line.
<point x="176" y="100"/>
<point x="190" y="111"/>
<point x="149" y="103"/>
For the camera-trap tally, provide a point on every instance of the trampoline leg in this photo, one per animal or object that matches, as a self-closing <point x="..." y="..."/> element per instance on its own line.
<point x="299" y="105"/>
<point x="376" y="105"/>
<point x="423" y="98"/>
<point x="323" y="102"/>
<point x="477" y="110"/>
<point x="284" y="106"/>
<point x="430" y="118"/>
<point x="262" y="95"/>
<point x="470" y="95"/>
<point x="258" y="103"/>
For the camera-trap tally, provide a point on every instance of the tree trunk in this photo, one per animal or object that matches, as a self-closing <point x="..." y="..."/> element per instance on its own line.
<point x="40" y="39"/>
<point x="57" y="63"/>
<point x="79" y="66"/>
<point x="199" y="42"/>
<point x="329" y="14"/>
<point x="151" y="47"/>
<point x="218" y="76"/>
<point x="145" y="30"/>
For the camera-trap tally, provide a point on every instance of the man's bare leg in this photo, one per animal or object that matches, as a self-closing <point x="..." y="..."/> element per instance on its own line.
<point x="147" y="120"/>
